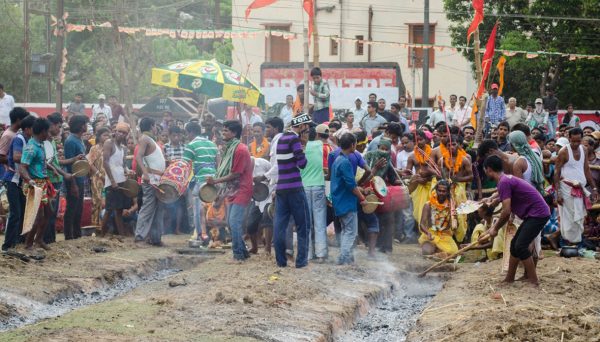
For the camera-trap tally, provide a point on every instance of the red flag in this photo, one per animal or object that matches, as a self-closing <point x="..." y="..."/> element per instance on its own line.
<point x="258" y="4"/>
<point x="309" y="8"/>
<point x="477" y="19"/>
<point x="488" y="56"/>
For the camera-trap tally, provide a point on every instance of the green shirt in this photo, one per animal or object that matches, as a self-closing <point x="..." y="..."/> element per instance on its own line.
<point x="34" y="156"/>
<point x="52" y="158"/>
<point x="312" y="174"/>
<point x="203" y="154"/>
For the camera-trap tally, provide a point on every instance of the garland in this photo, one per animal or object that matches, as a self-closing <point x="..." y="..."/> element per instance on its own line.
<point x="422" y="156"/>
<point x="433" y="201"/>
<point x="460" y="155"/>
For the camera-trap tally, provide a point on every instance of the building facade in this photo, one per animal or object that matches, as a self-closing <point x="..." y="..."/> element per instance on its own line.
<point x="387" y="23"/>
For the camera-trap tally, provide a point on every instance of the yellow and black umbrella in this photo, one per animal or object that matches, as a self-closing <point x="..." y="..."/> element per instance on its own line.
<point x="210" y="78"/>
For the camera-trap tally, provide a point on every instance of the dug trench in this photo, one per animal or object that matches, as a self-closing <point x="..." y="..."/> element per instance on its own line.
<point x="157" y="294"/>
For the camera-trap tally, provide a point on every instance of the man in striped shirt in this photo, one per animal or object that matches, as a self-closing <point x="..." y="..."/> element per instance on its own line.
<point x="290" y="198"/>
<point x="203" y="155"/>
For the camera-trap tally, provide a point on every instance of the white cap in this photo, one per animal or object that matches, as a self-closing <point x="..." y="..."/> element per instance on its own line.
<point x="357" y="99"/>
<point x="538" y="100"/>
<point x="562" y="141"/>
<point x="101" y="97"/>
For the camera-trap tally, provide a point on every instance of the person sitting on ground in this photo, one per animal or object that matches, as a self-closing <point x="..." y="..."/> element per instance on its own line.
<point x="215" y="222"/>
<point x="490" y="249"/>
<point x="436" y="231"/>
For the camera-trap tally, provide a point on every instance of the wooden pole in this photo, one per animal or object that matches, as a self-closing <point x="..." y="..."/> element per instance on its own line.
<point x="306" y="88"/>
<point x="27" y="48"/>
<point x="480" y="122"/>
<point x="460" y="251"/>
<point x="315" y="37"/>
<point x="124" y="80"/>
<point x="60" y="41"/>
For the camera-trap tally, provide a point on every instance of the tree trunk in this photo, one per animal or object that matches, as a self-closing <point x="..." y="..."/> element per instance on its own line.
<point x="124" y="88"/>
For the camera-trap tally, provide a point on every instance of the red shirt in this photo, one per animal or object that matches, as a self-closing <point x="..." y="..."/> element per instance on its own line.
<point x="326" y="150"/>
<point x="242" y="164"/>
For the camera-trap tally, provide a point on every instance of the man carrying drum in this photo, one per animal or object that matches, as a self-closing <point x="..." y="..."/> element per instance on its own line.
<point x="113" y="154"/>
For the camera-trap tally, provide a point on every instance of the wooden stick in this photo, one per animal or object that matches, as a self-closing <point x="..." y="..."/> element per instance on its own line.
<point x="460" y="251"/>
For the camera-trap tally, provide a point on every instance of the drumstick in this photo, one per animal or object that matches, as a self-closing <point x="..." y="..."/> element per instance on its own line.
<point x="378" y="203"/>
<point x="157" y="188"/>
<point x="483" y="238"/>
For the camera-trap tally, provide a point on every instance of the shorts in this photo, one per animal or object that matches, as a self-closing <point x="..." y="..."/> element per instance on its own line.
<point x="116" y="199"/>
<point x="370" y="221"/>
<point x="253" y="217"/>
<point x="266" y="220"/>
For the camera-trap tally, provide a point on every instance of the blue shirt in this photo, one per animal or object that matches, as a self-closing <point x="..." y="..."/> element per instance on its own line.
<point x="34" y="156"/>
<point x="74" y="147"/>
<point x="342" y="184"/>
<point x="495" y="110"/>
<point x="356" y="159"/>
<point x="12" y="174"/>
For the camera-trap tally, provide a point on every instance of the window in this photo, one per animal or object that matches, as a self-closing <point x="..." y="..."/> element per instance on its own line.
<point x="360" y="45"/>
<point x="277" y="49"/>
<point x="415" y="36"/>
<point x="333" y="46"/>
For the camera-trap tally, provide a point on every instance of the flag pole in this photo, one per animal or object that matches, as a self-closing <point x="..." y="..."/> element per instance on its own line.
<point x="306" y="88"/>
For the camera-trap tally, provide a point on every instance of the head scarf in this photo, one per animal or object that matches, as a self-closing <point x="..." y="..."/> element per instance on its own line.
<point x="373" y="156"/>
<point x="519" y="142"/>
<point x="386" y="142"/>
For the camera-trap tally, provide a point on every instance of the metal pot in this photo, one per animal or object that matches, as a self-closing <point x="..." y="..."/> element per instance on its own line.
<point x="569" y="252"/>
<point x="208" y="193"/>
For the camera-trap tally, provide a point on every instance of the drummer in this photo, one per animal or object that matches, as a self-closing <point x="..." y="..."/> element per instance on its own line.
<point x="113" y="154"/>
<point x="257" y="217"/>
<point x="74" y="148"/>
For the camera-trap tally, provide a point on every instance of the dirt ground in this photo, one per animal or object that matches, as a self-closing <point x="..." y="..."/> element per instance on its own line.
<point x="217" y="299"/>
<point x="474" y="307"/>
<point x="214" y="299"/>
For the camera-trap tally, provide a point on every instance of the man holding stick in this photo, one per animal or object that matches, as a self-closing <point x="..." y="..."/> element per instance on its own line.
<point x="522" y="199"/>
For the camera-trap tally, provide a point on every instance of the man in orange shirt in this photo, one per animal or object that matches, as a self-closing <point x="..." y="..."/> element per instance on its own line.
<point x="299" y="103"/>
<point x="259" y="147"/>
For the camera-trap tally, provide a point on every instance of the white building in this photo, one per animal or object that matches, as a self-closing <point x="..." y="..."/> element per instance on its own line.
<point x="389" y="21"/>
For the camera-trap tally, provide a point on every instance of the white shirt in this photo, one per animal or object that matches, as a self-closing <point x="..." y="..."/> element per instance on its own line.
<point x="273" y="172"/>
<point x="359" y="113"/>
<point x="101" y="110"/>
<point x="7" y="103"/>
<point x="462" y="117"/>
<point x="261" y="167"/>
<point x="438" y="116"/>
<point x="253" y="119"/>
<point x="286" y="115"/>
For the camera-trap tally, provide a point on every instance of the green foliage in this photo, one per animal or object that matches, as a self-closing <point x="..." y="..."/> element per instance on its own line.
<point x="521" y="29"/>
<point x="93" y="59"/>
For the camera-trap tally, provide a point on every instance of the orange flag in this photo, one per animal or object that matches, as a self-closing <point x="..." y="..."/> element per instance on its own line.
<point x="477" y="18"/>
<point x="500" y="68"/>
<point x="258" y="4"/>
<point x="473" y="114"/>
<point x="309" y="8"/>
<point x="486" y="63"/>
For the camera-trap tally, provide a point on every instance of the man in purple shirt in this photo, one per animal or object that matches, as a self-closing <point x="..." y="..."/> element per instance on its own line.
<point x="290" y="198"/>
<point x="522" y="199"/>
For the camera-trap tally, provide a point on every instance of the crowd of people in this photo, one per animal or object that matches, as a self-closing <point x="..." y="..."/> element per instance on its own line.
<point x="375" y="175"/>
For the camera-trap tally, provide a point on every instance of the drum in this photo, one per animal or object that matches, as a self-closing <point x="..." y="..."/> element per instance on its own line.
<point x="208" y="193"/>
<point x="372" y="205"/>
<point x="130" y="188"/>
<point x="378" y="185"/>
<point x="398" y="198"/>
<point x="174" y="181"/>
<point x="260" y="192"/>
<point x="81" y="168"/>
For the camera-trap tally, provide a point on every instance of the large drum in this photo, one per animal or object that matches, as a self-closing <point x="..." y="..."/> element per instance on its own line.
<point x="174" y="181"/>
<point x="396" y="199"/>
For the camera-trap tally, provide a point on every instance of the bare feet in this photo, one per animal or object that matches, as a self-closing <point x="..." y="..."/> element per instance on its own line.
<point x="44" y="246"/>
<point x="553" y="240"/>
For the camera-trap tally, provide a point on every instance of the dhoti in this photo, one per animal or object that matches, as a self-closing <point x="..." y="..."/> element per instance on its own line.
<point x="441" y="239"/>
<point x="459" y="196"/>
<point x="572" y="214"/>
<point x="419" y="198"/>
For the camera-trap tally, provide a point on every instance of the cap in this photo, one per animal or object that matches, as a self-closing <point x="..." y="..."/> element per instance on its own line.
<point x="322" y="129"/>
<point x="357" y="99"/>
<point x="494" y="86"/>
<point x="596" y="135"/>
<point x="538" y="100"/>
<point x="562" y="141"/>
<point x="301" y="119"/>
<point x="101" y="97"/>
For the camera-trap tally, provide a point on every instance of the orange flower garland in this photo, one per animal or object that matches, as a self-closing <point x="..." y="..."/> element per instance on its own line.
<point x="460" y="155"/>
<point x="422" y="156"/>
<point x="433" y="201"/>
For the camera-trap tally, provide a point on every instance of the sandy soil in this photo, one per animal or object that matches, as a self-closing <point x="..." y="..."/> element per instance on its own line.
<point x="473" y="307"/>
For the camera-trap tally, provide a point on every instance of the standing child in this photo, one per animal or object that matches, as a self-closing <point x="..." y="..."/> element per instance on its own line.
<point x="344" y="192"/>
<point x="33" y="172"/>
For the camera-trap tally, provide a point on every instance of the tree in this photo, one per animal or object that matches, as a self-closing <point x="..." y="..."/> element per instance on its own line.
<point x="539" y="25"/>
